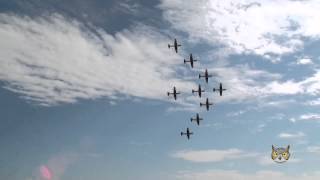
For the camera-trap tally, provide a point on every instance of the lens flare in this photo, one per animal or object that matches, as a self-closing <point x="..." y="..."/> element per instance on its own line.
<point x="45" y="172"/>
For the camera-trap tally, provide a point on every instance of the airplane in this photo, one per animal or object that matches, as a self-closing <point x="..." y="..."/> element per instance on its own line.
<point x="206" y="75"/>
<point x="175" y="45"/>
<point x="220" y="89"/>
<point x="197" y="119"/>
<point x="174" y="93"/>
<point x="191" y="60"/>
<point x="199" y="91"/>
<point x="188" y="133"/>
<point x="207" y="104"/>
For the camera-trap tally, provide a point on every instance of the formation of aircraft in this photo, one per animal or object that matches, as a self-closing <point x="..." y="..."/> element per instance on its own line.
<point x="207" y="104"/>
<point x="175" y="45"/>
<point x="174" y="93"/>
<point x="199" y="90"/>
<point x="191" y="60"/>
<point x="206" y="75"/>
<point x="197" y="119"/>
<point x="187" y="133"/>
<point x="220" y="89"/>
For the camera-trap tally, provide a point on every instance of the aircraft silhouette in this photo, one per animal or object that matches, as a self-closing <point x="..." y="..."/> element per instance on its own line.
<point x="188" y="133"/>
<point x="207" y="104"/>
<point x="175" y="45"/>
<point x="206" y="75"/>
<point x="220" y="89"/>
<point x="174" y="93"/>
<point x="199" y="91"/>
<point x="191" y="60"/>
<point x="197" y="119"/>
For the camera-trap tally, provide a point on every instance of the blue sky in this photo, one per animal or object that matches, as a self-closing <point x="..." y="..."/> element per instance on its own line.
<point x="83" y="89"/>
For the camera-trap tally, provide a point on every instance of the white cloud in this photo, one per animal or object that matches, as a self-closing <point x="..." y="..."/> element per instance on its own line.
<point x="212" y="155"/>
<point x="304" y="61"/>
<point x="236" y="175"/>
<point x="242" y="82"/>
<point x="293" y="120"/>
<point x="53" y="60"/>
<point x="309" y="86"/>
<point x="237" y="113"/>
<point x="258" y="26"/>
<point x="287" y="87"/>
<point x="291" y="135"/>
<point x="310" y="116"/>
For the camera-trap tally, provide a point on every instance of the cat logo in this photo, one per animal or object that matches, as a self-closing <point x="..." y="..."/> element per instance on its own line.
<point x="280" y="155"/>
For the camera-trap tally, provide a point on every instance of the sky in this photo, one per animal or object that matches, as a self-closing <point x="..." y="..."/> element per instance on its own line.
<point x="83" y="89"/>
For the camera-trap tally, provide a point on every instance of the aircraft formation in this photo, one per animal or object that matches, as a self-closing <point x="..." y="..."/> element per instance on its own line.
<point x="199" y="90"/>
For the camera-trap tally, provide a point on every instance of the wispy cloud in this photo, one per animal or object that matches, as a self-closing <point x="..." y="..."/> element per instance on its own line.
<point x="291" y="135"/>
<point x="304" y="61"/>
<point x="306" y="117"/>
<point x="277" y="27"/>
<point x="288" y="87"/>
<point x="212" y="155"/>
<point x="54" y="60"/>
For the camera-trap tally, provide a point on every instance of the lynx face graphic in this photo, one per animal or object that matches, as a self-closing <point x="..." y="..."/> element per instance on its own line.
<point x="280" y="155"/>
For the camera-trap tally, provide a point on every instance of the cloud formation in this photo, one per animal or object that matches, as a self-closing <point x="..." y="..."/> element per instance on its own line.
<point x="310" y="116"/>
<point x="263" y="27"/>
<point x="53" y="60"/>
<point x="291" y="135"/>
<point x="212" y="155"/>
<point x="304" y="61"/>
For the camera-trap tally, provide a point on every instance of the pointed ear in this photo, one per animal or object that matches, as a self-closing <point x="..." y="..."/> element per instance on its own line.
<point x="272" y="147"/>
<point x="288" y="147"/>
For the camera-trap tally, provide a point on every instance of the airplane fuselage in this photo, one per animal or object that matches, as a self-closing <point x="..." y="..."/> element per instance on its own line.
<point x="174" y="93"/>
<point x="206" y="76"/>
<point x="207" y="104"/>
<point x="197" y="119"/>
<point x="175" y="45"/>
<point x="220" y="89"/>
<point x="188" y="133"/>
<point x="191" y="61"/>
